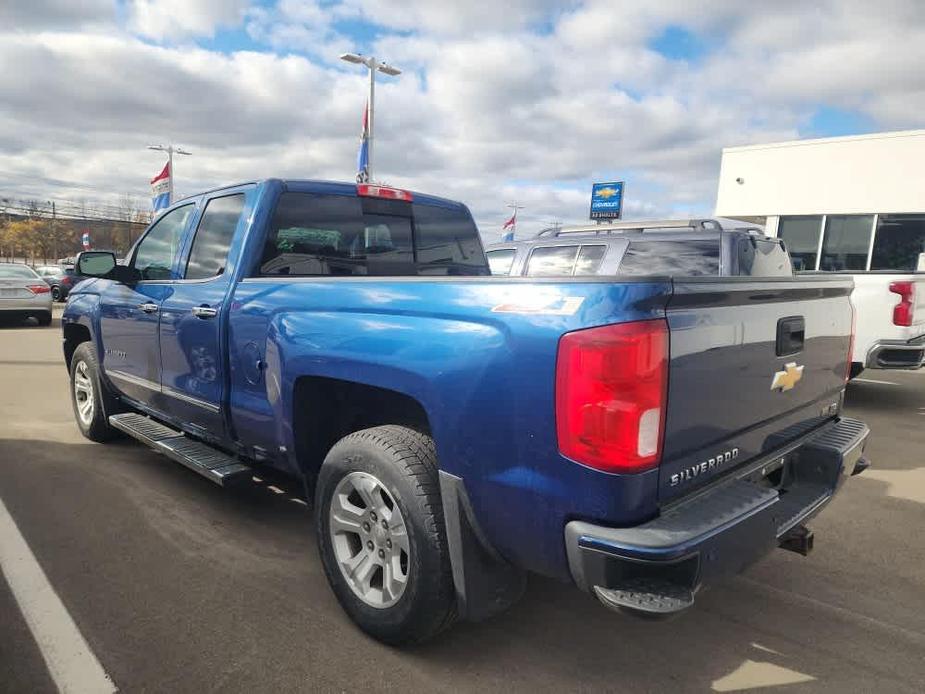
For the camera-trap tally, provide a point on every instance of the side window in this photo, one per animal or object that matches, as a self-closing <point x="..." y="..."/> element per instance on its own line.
<point x="763" y="258"/>
<point x="209" y="253"/>
<point x="672" y="258"/>
<point x="801" y="235"/>
<point x="500" y="261"/>
<point x="589" y="260"/>
<point x="154" y="255"/>
<point x="551" y="261"/>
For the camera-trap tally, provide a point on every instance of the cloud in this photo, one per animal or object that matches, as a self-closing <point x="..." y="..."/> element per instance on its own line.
<point x="26" y="15"/>
<point x="522" y="100"/>
<point x="456" y="19"/>
<point x="161" y="19"/>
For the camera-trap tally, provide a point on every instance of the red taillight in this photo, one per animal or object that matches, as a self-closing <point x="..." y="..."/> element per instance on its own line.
<point x="67" y="280"/>
<point x="368" y="190"/>
<point x="854" y="328"/>
<point x="39" y="288"/>
<point x="902" y="312"/>
<point x="611" y="388"/>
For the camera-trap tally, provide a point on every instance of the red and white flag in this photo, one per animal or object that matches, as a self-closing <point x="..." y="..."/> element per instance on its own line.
<point x="160" y="189"/>
<point x="509" y="224"/>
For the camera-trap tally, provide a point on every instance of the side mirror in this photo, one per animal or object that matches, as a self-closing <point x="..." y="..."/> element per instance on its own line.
<point x="95" y="263"/>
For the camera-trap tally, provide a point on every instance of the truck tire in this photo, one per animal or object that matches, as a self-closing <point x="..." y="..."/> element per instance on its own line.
<point x="381" y="534"/>
<point x="91" y="401"/>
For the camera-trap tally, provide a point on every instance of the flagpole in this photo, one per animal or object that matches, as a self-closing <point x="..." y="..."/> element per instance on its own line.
<point x="170" y="150"/>
<point x="369" y="116"/>
<point x="374" y="66"/>
<point x="514" y="206"/>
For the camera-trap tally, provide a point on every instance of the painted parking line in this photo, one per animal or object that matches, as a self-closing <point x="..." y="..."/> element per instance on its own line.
<point x="870" y="380"/>
<point x="71" y="664"/>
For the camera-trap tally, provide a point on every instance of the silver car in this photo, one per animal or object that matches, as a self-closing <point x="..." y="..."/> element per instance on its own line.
<point x="24" y="294"/>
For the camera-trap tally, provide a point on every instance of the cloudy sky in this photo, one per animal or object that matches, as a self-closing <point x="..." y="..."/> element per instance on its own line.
<point x="526" y="100"/>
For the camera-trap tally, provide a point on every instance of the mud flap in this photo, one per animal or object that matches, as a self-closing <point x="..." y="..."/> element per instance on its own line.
<point x="485" y="583"/>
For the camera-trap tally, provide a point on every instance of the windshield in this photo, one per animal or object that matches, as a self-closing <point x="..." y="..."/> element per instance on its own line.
<point x="17" y="272"/>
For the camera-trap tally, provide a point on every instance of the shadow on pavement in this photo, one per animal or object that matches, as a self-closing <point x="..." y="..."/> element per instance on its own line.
<point x="883" y="397"/>
<point x="7" y="322"/>
<point x="142" y="522"/>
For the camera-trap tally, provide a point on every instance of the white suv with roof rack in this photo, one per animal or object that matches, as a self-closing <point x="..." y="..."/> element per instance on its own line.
<point x="694" y="247"/>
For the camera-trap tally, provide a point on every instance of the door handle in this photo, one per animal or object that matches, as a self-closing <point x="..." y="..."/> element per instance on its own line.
<point x="204" y="311"/>
<point x="148" y="307"/>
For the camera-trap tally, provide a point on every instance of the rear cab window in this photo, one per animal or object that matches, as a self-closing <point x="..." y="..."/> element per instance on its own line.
<point x="340" y="235"/>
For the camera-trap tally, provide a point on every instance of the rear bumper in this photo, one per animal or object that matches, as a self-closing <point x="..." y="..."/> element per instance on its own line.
<point x="715" y="532"/>
<point x="37" y="303"/>
<point x="896" y="354"/>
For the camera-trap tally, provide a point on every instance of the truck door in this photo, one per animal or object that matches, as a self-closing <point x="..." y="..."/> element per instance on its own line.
<point x="193" y="369"/>
<point x="129" y="315"/>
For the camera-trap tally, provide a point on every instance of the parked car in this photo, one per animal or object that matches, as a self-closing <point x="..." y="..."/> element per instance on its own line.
<point x="697" y="247"/>
<point x="24" y="294"/>
<point x="60" y="279"/>
<point x="638" y="436"/>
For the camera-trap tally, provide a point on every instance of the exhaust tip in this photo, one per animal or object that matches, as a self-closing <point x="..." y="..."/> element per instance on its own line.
<point x="860" y="466"/>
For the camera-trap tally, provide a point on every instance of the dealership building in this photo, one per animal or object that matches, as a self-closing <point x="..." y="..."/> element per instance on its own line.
<point x="842" y="203"/>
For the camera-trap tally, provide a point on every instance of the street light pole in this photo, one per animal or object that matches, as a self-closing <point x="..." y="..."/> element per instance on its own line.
<point x="171" y="150"/>
<point x="374" y="66"/>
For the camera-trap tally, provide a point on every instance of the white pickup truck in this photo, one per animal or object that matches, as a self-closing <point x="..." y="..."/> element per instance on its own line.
<point x="890" y="320"/>
<point x="885" y="255"/>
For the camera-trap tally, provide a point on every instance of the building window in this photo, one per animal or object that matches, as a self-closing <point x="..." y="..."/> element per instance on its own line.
<point x="899" y="241"/>
<point x="846" y="242"/>
<point x="801" y="235"/>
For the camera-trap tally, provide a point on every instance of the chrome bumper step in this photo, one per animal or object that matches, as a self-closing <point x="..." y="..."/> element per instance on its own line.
<point x="209" y="462"/>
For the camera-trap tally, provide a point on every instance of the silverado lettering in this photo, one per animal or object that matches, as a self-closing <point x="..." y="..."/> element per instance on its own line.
<point x="696" y="470"/>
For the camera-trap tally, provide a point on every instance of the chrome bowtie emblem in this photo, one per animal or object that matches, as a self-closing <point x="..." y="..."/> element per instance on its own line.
<point x="785" y="380"/>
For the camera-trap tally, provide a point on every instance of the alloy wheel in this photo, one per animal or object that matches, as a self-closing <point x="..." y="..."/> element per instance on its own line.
<point x="83" y="393"/>
<point x="370" y="539"/>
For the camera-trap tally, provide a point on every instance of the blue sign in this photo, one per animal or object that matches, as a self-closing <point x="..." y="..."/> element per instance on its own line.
<point x="607" y="200"/>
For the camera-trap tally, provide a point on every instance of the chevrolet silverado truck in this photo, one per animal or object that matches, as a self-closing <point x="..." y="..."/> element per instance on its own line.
<point x="640" y="437"/>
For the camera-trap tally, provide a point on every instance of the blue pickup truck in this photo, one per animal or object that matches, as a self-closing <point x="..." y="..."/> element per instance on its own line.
<point x="638" y="436"/>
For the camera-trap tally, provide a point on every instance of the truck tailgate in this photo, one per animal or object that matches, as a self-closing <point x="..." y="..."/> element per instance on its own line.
<point x="754" y="363"/>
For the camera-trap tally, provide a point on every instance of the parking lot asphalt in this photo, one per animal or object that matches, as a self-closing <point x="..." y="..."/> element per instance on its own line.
<point x="180" y="586"/>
